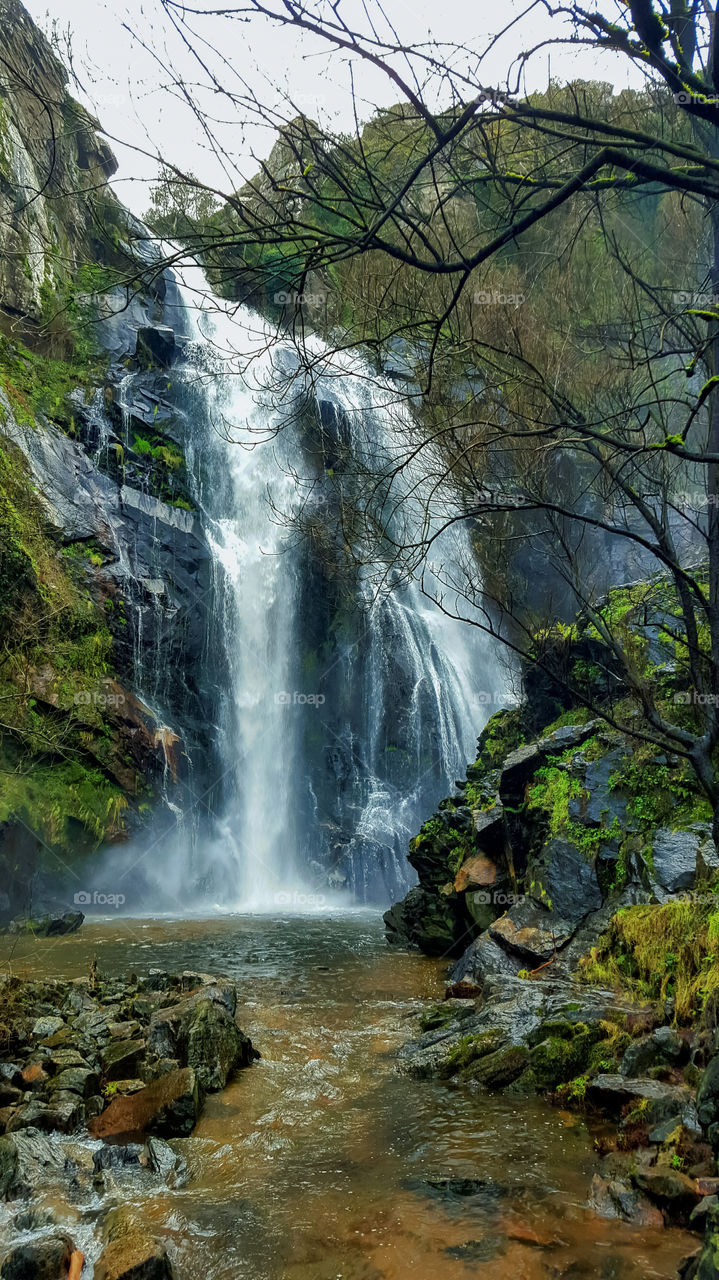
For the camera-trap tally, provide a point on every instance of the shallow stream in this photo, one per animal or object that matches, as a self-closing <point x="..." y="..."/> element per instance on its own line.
<point x="320" y="1162"/>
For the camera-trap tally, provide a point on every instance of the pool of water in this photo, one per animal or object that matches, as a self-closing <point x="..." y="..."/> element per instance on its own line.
<point x="320" y="1162"/>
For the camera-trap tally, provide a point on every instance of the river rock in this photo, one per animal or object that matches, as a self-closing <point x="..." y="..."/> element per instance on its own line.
<point x="611" y="1198"/>
<point x="612" y="1093"/>
<point x="171" y="1166"/>
<point x="63" y="1114"/>
<point x="201" y="1032"/>
<point x="121" y="1059"/>
<point x="78" y="1080"/>
<point x="169" y="1106"/>
<point x="130" y="1251"/>
<point x="27" y="1158"/>
<point x="667" y="1186"/>
<point x="38" y="1259"/>
<point x="663" y="1047"/>
<point x="45" y="1027"/>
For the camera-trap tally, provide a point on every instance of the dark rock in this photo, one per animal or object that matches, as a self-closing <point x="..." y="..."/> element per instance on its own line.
<point x="38" y="1260"/>
<point x="424" y="920"/>
<point x="664" y="1047"/>
<point x="674" y="858"/>
<point x="667" y="1186"/>
<point x="570" y="881"/>
<point x="48" y="926"/>
<point x="708" y="1095"/>
<point x="213" y="1044"/>
<point x="155" y="346"/>
<point x="64" y="1114"/>
<point x="611" y="1093"/>
<point x="170" y="1166"/>
<point x="613" y="1199"/>
<point x="117" y="1156"/>
<point x="130" y="1251"/>
<point x="483" y="957"/>
<point x="121" y="1059"/>
<point x="78" y="1080"/>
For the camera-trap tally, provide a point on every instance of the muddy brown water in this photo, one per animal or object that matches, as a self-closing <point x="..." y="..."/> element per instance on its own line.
<point x="320" y="1162"/>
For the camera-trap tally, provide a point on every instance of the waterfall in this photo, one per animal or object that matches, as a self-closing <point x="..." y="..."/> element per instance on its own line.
<point x="340" y="725"/>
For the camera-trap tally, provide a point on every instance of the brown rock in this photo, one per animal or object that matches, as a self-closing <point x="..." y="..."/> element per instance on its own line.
<point x="708" y="1186"/>
<point x="169" y="1106"/>
<point x="476" y="873"/>
<point x="667" y="1185"/>
<point x="34" y="1076"/>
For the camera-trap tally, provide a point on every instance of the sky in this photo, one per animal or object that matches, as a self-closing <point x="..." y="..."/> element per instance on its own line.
<point x="128" y="59"/>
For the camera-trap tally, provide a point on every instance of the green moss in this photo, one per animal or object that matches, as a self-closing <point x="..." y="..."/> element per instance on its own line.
<point x="463" y="1056"/>
<point x="37" y="383"/>
<point x="662" y="951"/>
<point x="54" y="737"/>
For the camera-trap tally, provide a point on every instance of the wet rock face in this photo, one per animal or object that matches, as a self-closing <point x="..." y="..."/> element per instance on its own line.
<point x="130" y="1251"/>
<point x="40" y="1260"/>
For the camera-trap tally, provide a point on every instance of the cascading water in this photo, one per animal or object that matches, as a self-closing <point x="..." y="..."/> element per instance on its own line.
<point x="338" y="730"/>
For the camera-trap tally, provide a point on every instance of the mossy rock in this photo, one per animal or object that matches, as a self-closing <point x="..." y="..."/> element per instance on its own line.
<point x="465" y="1053"/>
<point x="500" y="1069"/>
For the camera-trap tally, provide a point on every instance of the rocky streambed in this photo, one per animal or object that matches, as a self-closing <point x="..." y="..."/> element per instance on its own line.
<point x="95" y="1074"/>
<point x="348" y="1149"/>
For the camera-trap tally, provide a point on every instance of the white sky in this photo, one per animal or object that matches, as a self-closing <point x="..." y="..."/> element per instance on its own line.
<point x="127" y="88"/>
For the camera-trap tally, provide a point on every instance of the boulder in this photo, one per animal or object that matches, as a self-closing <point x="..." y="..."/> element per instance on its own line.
<point x="569" y="880"/>
<point x="78" y="1080"/>
<point x="611" y="1198"/>
<point x="424" y="920"/>
<point x="130" y="1252"/>
<point x="48" y="926"/>
<point x="121" y="1059"/>
<point x="169" y="1106"/>
<point x="658" y="1101"/>
<point x="45" y="1027"/>
<point x="213" y="1044"/>
<point x="674" y="858"/>
<point x="482" y="958"/>
<point x="708" y="1095"/>
<point x="155" y="345"/>
<point x="668" y="1186"/>
<point x="531" y="933"/>
<point x="664" y="1047"/>
<point x="46" y="1259"/>
<point x="28" y="1159"/>
<point x="63" y="1114"/>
